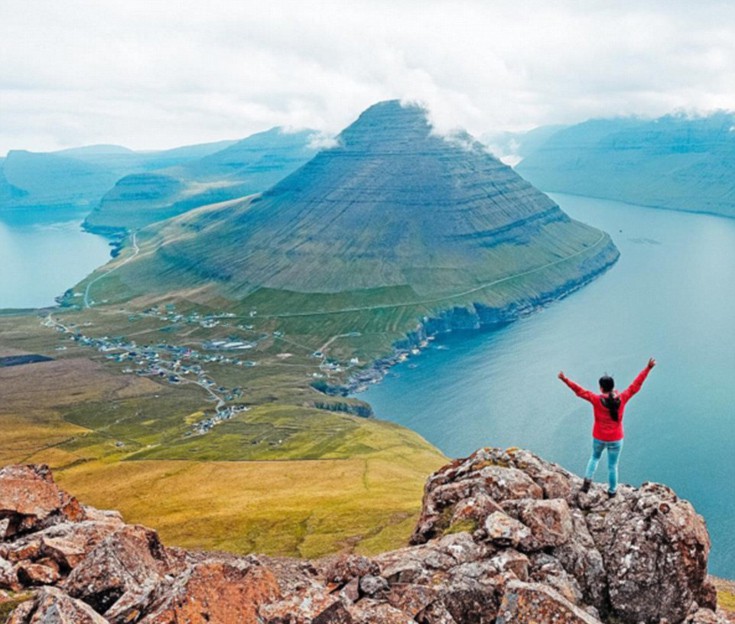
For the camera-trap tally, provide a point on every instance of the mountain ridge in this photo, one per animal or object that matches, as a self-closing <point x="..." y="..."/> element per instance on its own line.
<point x="674" y="162"/>
<point x="239" y="169"/>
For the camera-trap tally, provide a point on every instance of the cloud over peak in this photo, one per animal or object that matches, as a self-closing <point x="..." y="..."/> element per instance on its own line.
<point x="151" y="75"/>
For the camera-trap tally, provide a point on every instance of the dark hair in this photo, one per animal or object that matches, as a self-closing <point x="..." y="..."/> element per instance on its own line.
<point x="611" y="402"/>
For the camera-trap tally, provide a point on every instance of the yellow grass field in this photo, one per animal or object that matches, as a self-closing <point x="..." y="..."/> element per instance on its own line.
<point x="366" y="503"/>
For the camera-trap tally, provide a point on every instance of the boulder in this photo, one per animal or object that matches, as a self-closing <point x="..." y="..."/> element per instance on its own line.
<point x="130" y="560"/>
<point x="654" y="548"/>
<point x="503" y="530"/>
<point x="210" y="591"/>
<point x="534" y="602"/>
<point x="29" y="499"/>
<point x="550" y="521"/>
<point x="53" y="606"/>
<point x="30" y="574"/>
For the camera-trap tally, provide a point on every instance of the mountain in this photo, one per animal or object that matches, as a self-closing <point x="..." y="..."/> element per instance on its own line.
<point x="674" y="162"/>
<point x="243" y="168"/>
<point x="395" y="218"/>
<point x="503" y="536"/>
<point x="50" y="179"/>
<point x="77" y="178"/>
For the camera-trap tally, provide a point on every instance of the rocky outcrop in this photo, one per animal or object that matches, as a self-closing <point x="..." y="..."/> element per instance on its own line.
<point x="503" y="537"/>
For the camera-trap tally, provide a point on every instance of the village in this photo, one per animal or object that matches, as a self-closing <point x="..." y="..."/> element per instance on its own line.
<point x="184" y="364"/>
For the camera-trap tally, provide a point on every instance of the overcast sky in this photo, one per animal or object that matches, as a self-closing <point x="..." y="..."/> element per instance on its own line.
<point x="160" y="73"/>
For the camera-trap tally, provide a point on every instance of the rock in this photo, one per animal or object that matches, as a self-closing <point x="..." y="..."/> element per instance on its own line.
<point x="513" y="561"/>
<point x="549" y="570"/>
<point x="581" y="559"/>
<point x="705" y="616"/>
<point x="476" y="509"/>
<point x="29" y="499"/>
<point x="68" y="544"/>
<point x="346" y="567"/>
<point x="53" y="606"/>
<point x="654" y="547"/>
<point x="523" y="547"/>
<point x="503" y="530"/>
<point x="129" y="560"/>
<point x="351" y="591"/>
<point x="533" y="602"/>
<point x="550" y="521"/>
<point x="8" y="576"/>
<point x="334" y="614"/>
<point x="212" y="591"/>
<point x="373" y="585"/>
<point x="411" y="599"/>
<point x="35" y="574"/>
<point x="373" y="612"/>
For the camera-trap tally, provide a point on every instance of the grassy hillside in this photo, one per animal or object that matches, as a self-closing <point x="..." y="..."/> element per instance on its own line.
<point x="673" y="162"/>
<point x="123" y="441"/>
<point x="242" y="168"/>
<point x="77" y="178"/>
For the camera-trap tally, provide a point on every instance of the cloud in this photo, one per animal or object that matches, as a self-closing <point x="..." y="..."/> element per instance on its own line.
<point x="159" y="74"/>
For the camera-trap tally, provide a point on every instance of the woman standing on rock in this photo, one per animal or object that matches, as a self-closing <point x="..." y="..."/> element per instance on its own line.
<point x="607" y="433"/>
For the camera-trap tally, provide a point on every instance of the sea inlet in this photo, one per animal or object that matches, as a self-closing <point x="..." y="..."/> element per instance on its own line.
<point x="42" y="253"/>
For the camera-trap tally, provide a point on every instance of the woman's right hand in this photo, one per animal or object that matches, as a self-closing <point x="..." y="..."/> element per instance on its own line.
<point x="651" y="362"/>
<point x="561" y="375"/>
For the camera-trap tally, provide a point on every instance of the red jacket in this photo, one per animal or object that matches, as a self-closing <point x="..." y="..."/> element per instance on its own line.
<point x="606" y="429"/>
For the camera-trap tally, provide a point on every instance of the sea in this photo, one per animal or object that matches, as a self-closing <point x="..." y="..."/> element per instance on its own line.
<point x="670" y="296"/>
<point x="42" y="253"/>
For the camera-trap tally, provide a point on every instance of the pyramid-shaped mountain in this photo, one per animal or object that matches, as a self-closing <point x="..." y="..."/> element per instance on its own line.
<point x="392" y="208"/>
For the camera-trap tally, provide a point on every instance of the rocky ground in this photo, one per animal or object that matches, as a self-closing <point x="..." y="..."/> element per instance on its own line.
<point x="504" y="537"/>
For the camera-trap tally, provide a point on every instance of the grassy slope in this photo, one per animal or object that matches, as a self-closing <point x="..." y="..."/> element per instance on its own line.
<point x="354" y="485"/>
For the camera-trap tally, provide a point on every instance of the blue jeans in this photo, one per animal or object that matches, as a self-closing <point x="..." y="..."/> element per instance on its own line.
<point x="613" y="455"/>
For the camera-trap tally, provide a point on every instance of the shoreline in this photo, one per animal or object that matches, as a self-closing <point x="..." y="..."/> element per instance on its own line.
<point x="474" y="317"/>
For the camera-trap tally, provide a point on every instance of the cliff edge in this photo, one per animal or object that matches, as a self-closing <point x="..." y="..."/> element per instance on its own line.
<point x="503" y="537"/>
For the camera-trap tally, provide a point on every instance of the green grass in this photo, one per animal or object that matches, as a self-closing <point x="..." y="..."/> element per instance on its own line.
<point x="6" y="608"/>
<point x="725" y="595"/>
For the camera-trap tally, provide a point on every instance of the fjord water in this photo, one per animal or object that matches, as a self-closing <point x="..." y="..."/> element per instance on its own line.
<point x="40" y="259"/>
<point x="671" y="295"/>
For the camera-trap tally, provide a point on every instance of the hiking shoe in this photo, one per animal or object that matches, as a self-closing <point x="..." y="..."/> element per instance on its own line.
<point x="611" y="494"/>
<point x="586" y="486"/>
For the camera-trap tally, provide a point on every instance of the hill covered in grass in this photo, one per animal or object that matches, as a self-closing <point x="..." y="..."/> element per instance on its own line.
<point x="243" y="168"/>
<point x="77" y="178"/>
<point x="674" y="162"/>
<point x="393" y="225"/>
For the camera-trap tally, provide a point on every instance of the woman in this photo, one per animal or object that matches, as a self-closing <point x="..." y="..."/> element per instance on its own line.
<point x="607" y="433"/>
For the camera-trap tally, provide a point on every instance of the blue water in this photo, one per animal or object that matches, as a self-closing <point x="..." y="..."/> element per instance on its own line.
<point x="671" y="295"/>
<point x="41" y="257"/>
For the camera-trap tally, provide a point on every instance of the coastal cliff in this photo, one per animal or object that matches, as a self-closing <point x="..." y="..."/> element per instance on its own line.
<point x="503" y="536"/>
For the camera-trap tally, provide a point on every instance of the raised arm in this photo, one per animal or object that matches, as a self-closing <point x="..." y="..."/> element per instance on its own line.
<point x="577" y="389"/>
<point x="638" y="381"/>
